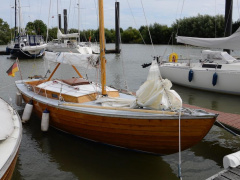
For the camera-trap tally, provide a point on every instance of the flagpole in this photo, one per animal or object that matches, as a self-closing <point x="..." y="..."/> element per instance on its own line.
<point x="19" y="68"/>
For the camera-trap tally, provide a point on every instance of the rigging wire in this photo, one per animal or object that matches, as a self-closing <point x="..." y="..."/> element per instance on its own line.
<point x="180" y="16"/>
<point x="148" y="28"/>
<point x="135" y="22"/>
<point x="238" y="10"/>
<point x="179" y="140"/>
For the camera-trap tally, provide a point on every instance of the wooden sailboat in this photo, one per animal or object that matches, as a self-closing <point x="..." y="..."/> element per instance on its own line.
<point x="10" y="139"/>
<point x="74" y="108"/>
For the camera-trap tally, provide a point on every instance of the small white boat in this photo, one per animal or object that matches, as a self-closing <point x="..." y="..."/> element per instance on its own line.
<point x="216" y="71"/>
<point x="67" y="43"/>
<point x="10" y="139"/>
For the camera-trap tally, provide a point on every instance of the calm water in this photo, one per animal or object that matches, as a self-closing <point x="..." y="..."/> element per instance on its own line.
<point x="56" y="155"/>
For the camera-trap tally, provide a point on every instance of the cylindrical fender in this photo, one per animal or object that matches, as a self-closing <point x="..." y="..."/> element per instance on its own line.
<point x="190" y="75"/>
<point x="214" y="79"/>
<point x="45" y="120"/>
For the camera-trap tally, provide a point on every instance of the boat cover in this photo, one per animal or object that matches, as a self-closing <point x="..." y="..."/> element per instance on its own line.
<point x="6" y="120"/>
<point x="217" y="55"/>
<point x="60" y="35"/>
<point x="156" y="92"/>
<point x="37" y="47"/>
<point x="231" y="42"/>
<point x="80" y="60"/>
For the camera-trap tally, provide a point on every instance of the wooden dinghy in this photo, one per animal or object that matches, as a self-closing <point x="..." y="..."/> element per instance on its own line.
<point x="10" y="138"/>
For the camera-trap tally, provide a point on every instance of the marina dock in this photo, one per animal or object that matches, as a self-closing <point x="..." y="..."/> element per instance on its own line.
<point x="229" y="120"/>
<point x="229" y="174"/>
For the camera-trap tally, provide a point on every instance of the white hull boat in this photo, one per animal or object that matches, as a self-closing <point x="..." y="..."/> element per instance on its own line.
<point x="227" y="78"/>
<point x="10" y="138"/>
<point x="217" y="71"/>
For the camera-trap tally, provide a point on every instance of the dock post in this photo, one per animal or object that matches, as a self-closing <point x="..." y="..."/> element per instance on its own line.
<point x="59" y="22"/>
<point x="65" y="20"/>
<point x="228" y="20"/>
<point x="117" y="27"/>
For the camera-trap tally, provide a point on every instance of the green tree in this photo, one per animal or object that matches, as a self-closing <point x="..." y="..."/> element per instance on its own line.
<point x="200" y="26"/>
<point x="37" y="27"/>
<point x="5" y="33"/>
<point x="52" y="33"/>
<point x="131" y="35"/>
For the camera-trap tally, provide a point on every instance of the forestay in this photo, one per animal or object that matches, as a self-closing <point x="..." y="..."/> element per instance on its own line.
<point x="6" y="121"/>
<point x="231" y="42"/>
<point x="80" y="60"/>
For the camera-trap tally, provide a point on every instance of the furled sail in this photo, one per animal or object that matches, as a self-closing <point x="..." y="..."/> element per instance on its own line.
<point x="156" y="92"/>
<point x="231" y="42"/>
<point x="72" y="35"/>
<point x="75" y="59"/>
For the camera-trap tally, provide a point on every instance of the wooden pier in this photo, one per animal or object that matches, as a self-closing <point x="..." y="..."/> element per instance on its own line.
<point x="229" y="120"/>
<point x="228" y="174"/>
<point x="4" y="53"/>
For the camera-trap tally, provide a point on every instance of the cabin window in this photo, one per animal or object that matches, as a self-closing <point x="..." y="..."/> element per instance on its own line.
<point x="31" y="39"/>
<point x="212" y="66"/>
<point x="54" y="95"/>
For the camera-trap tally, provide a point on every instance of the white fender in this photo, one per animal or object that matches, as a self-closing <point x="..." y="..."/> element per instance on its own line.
<point x="18" y="99"/>
<point x="27" y="111"/>
<point x="231" y="160"/>
<point x="45" y="120"/>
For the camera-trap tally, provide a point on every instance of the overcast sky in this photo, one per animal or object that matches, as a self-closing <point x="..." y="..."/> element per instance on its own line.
<point x="131" y="11"/>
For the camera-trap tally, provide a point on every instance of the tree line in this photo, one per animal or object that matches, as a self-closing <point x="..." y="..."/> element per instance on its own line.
<point x="199" y="26"/>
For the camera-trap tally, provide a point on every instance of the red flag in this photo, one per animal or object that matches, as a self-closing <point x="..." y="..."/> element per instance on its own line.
<point x="14" y="68"/>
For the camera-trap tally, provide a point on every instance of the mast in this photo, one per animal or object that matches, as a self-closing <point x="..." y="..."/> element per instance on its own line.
<point x="102" y="47"/>
<point x="15" y="19"/>
<point x="79" y="20"/>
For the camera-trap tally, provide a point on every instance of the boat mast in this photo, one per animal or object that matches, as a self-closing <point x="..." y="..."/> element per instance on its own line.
<point x="102" y="47"/>
<point x="15" y="19"/>
<point x="79" y="20"/>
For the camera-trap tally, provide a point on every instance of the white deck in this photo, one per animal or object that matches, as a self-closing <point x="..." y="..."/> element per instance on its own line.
<point x="76" y="91"/>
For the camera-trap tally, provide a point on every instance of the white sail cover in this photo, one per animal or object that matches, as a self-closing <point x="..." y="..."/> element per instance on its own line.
<point x="231" y="42"/>
<point x="80" y="60"/>
<point x="60" y="35"/>
<point x="217" y="56"/>
<point x="6" y="120"/>
<point x="155" y="93"/>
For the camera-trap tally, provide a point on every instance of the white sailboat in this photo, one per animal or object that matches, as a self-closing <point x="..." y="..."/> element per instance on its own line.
<point x="217" y="71"/>
<point x="69" y="42"/>
<point x="25" y="46"/>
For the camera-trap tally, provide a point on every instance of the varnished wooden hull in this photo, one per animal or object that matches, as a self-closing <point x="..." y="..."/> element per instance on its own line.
<point x="150" y="135"/>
